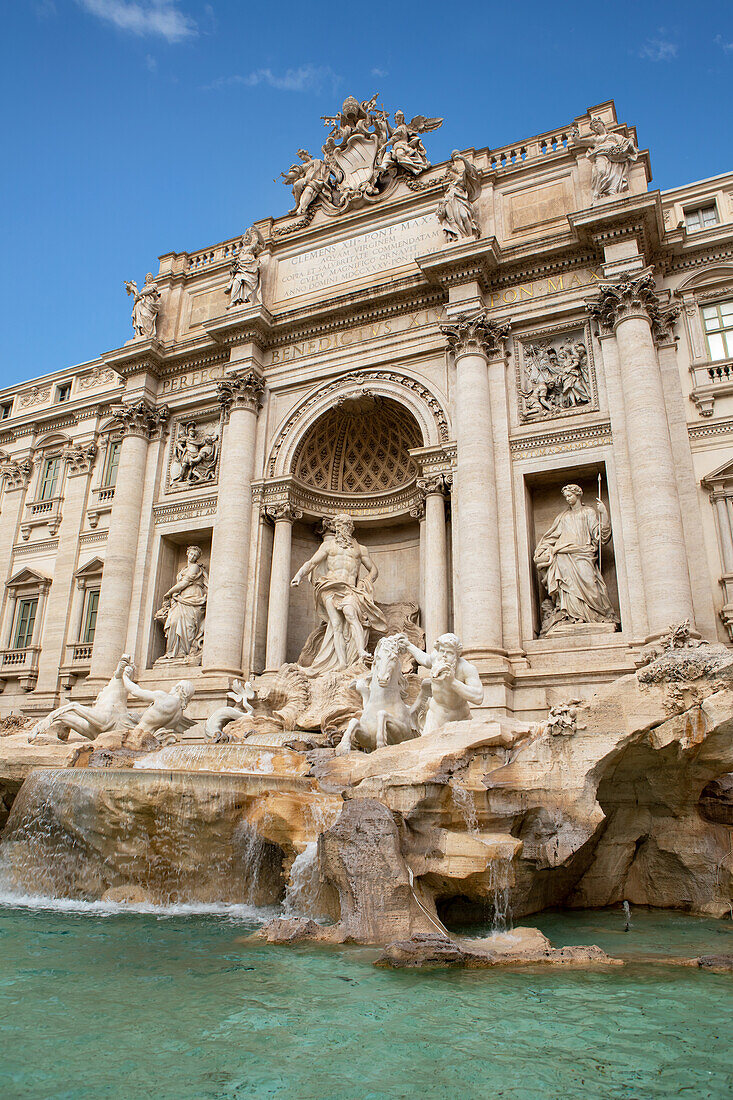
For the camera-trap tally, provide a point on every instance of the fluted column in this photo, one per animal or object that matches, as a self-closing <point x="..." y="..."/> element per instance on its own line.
<point x="631" y="310"/>
<point x="435" y="584"/>
<point x="278" y="607"/>
<point x="139" y="422"/>
<point x="471" y="340"/>
<point x="240" y="398"/>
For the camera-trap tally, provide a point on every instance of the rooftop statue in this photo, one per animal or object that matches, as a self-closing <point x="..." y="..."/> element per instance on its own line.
<point x="344" y="600"/>
<point x="611" y="155"/>
<point x="462" y="189"/>
<point x="145" y="307"/>
<point x="244" y="284"/>
<point x="364" y="151"/>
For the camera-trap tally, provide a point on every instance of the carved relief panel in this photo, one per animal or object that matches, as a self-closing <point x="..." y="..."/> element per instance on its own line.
<point x="555" y="374"/>
<point x="193" y="460"/>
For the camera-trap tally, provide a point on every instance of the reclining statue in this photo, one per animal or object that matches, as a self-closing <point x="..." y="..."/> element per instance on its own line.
<point x="108" y="712"/>
<point x="164" y="717"/>
<point x="453" y="684"/>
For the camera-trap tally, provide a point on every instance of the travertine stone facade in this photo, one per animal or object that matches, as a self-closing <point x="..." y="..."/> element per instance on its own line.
<point x="437" y="351"/>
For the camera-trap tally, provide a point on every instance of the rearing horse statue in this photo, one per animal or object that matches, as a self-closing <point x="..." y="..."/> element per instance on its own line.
<point x="385" y="718"/>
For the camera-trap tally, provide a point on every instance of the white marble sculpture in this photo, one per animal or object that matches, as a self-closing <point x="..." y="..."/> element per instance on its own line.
<point x="108" y="712"/>
<point x="453" y="684"/>
<point x="385" y="718"/>
<point x="611" y="155"/>
<point x="240" y="694"/>
<point x="462" y="189"/>
<point x="567" y="559"/>
<point x="309" y="179"/>
<point x="145" y="307"/>
<point x="184" y="609"/>
<point x="164" y="716"/>
<point x="344" y="599"/>
<point x="194" y="455"/>
<point x="244" y="284"/>
<point x="404" y="145"/>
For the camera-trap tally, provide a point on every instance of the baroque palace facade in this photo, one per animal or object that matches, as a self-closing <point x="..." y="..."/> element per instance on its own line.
<point x="436" y="350"/>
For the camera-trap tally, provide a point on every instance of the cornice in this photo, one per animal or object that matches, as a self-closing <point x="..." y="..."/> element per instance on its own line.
<point x="567" y="439"/>
<point x="250" y="325"/>
<point x="639" y="215"/>
<point x="469" y="261"/>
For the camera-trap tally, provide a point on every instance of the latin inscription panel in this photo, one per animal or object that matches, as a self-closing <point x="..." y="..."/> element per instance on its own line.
<point x="358" y="257"/>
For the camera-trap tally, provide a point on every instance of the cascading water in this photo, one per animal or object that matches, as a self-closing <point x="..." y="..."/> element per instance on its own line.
<point x="499" y="867"/>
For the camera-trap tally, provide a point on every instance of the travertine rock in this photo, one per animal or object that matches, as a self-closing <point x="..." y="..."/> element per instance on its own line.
<point x="520" y="947"/>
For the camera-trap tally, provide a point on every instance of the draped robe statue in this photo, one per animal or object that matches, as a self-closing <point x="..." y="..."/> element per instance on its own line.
<point x="567" y="561"/>
<point x="184" y="608"/>
<point x="344" y="600"/>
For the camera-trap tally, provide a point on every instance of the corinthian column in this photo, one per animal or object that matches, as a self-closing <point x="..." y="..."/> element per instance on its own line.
<point x="435" y="582"/>
<point x="240" y="398"/>
<point x="472" y="340"/>
<point x="139" y="422"/>
<point x="631" y="310"/>
<point x="278" y="607"/>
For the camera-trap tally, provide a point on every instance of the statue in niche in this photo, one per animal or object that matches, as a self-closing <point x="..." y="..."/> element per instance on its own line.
<point x="194" y="455"/>
<point x="557" y="378"/>
<point x="453" y="684"/>
<point x="462" y="189"/>
<point x="611" y="155"/>
<point x="184" y="610"/>
<point x="145" y="307"/>
<point x="568" y="562"/>
<point x="344" y="599"/>
<point x="244" y="284"/>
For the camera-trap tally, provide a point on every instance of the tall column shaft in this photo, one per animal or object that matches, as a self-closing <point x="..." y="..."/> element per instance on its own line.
<point x="226" y="604"/>
<point x="278" y="606"/>
<point x="726" y="539"/>
<point x="474" y="493"/>
<point x="110" y="636"/>
<point x="632" y="308"/>
<point x="435" y="593"/>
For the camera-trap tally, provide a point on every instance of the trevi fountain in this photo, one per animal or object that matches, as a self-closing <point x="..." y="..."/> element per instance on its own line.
<point x="367" y="681"/>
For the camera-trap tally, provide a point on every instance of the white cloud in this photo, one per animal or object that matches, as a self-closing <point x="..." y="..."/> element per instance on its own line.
<point x="151" y="63"/>
<point x="305" y="78"/>
<point x="380" y="73"/>
<point x="658" y="49"/>
<point x="162" y="18"/>
<point x="44" y="9"/>
<point x="727" y="46"/>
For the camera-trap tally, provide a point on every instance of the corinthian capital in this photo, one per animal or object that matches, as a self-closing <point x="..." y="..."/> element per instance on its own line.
<point x="241" y="392"/>
<point x="434" y="483"/>
<point x="628" y="298"/>
<point x="477" y="334"/>
<point x="16" y="472"/>
<point x="140" y="418"/>
<point x="285" y="511"/>
<point x="79" y="459"/>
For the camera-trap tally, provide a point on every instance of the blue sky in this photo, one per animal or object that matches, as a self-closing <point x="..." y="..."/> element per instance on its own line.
<point x="137" y="127"/>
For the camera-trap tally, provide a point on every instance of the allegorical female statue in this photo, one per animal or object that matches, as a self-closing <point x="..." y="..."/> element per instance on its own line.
<point x="567" y="559"/>
<point x="455" y="209"/>
<point x="184" y="609"/>
<point x="145" y="307"/>
<point x="244" y="284"/>
<point x="611" y="155"/>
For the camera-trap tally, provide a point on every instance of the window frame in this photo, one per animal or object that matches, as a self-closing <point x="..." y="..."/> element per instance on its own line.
<point x="24" y="602"/>
<point x="691" y="211"/>
<point x="63" y="393"/>
<point x="6" y="410"/>
<point x="111" y="464"/>
<point x="43" y="482"/>
<point x="89" y="612"/>
<point x="724" y="331"/>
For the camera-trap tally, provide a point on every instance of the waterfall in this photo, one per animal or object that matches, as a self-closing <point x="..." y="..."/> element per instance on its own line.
<point x="499" y="885"/>
<point x="303" y="888"/>
<point x="466" y="804"/>
<point x="166" y="837"/>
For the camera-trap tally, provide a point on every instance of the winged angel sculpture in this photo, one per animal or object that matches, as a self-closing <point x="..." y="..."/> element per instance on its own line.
<point x="363" y="153"/>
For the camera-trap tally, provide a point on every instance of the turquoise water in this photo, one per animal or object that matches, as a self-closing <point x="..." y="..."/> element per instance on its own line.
<point x="132" y="1004"/>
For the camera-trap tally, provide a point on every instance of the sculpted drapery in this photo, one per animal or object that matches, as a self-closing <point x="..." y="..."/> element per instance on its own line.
<point x="184" y="608"/>
<point x="567" y="561"/>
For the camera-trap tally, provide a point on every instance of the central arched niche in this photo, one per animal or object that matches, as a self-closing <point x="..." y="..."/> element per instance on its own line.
<point x="359" y="448"/>
<point x="361" y="445"/>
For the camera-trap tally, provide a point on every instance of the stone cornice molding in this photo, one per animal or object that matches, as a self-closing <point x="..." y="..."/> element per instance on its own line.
<point x="470" y="261"/>
<point x="141" y="419"/>
<point x="477" y="335"/>
<point x="641" y="216"/>
<point x="286" y="511"/>
<point x="248" y="325"/>
<point x="139" y="356"/>
<point x="243" y="391"/>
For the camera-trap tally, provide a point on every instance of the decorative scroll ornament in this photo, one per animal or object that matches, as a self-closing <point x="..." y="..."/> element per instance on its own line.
<point x="363" y="153"/>
<point x="140" y="418"/>
<point x="434" y="483"/>
<point x="241" y="392"/>
<point x="79" y="459"/>
<point x="286" y="511"/>
<point x="477" y="334"/>
<point x="17" y="473"/>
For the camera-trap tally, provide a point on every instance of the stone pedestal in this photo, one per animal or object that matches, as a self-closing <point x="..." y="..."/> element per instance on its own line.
<point x="280" y="575"/>
<point x="240" y="398"/>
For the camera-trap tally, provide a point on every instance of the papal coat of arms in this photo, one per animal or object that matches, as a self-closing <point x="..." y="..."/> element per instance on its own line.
<point x="363" y="153"/>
